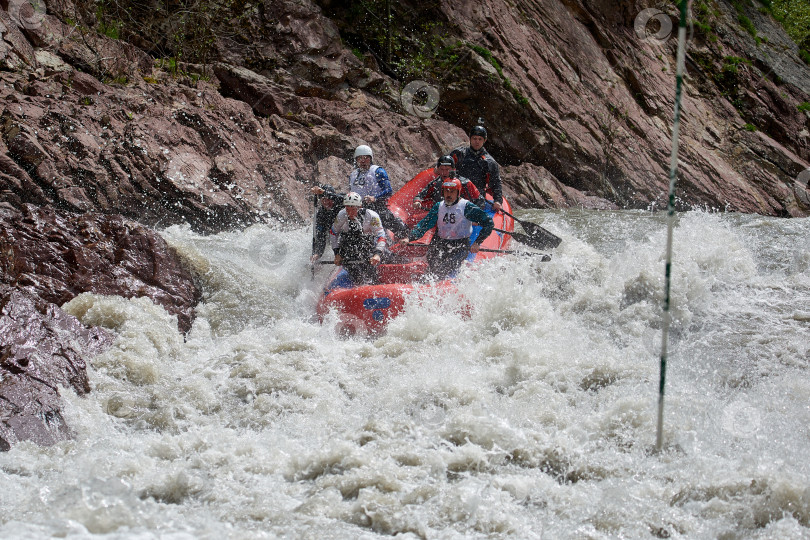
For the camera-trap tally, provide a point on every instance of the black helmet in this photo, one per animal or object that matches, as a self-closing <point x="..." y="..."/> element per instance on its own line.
<point x="446" y="160"/>
<point x="330" y="193"/>
<point x="332" y="196"/>
<point x="478" y="130"/>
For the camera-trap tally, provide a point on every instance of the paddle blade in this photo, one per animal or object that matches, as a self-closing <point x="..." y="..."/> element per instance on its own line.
<point x="542" y="238"/>
<point x="538" y="237"/>
<point x="537" y="241"/>
<point x="531" y="241"/>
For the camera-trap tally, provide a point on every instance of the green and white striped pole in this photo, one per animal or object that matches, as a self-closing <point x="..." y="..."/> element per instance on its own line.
<point x="673" y="170"/>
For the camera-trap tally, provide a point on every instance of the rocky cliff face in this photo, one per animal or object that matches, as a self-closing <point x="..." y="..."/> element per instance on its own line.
<point x="225" y="117"/>
<point x="577" y="96"/>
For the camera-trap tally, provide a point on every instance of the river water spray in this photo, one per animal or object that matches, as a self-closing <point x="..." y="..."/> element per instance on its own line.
<point x="533" y="417"/>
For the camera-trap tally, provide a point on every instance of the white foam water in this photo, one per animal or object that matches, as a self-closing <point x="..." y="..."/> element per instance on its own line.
<point x="531" y="417"/>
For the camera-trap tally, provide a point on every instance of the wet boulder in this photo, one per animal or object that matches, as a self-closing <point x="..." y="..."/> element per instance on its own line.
<point x="42" y="348"/>
<point x="47" y="257"/>
<point x="59" y="255"/>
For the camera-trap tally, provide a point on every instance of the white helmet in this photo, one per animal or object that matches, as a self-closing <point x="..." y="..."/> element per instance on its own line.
<point x="352" y="199"/>
<point x="363" y="150"/>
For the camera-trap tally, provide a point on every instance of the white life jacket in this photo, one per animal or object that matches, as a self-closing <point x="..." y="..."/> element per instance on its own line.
<point x="451" y="223"/>
<point x="365" y="184"/>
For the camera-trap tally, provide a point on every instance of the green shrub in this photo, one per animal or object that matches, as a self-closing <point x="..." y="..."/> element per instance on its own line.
<point x="408" y="43"/>
<point x="182" y="29"/>
<point x="487" y="55"/>
<point x="794" y="15"/>
<point x="747" y="25"/>
<point x="731" y="63"/>
<point x="108" y="26"/>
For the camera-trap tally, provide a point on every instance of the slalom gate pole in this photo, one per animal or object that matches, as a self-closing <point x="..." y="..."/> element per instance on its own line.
<point x="673" y="170"/>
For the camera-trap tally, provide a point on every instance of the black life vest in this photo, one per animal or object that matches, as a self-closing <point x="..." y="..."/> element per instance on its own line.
<point x="354" y="244"/>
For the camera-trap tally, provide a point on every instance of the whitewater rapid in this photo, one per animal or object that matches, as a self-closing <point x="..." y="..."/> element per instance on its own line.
<point x="534" y="417"/>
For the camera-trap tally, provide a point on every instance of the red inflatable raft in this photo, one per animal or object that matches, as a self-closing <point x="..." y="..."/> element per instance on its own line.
<point x="366" y="309"/>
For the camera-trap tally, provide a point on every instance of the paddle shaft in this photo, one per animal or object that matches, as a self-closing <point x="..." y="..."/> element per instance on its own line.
<point x="512" y="216"/>
<point x="525" y="239"/>
<point x="546" y="256"/>
<point x="343" y="263"/>
<point x="314" y="231"/>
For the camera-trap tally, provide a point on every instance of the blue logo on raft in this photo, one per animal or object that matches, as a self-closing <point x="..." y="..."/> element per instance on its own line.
<point x="377" y="303"/>
<point x="341" y="281"/>
<point x="377" y="315"/>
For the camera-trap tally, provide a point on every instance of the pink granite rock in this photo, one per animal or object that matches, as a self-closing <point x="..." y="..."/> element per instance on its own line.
<point x="57" y="256"/>
<point x="41" y="349"/>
